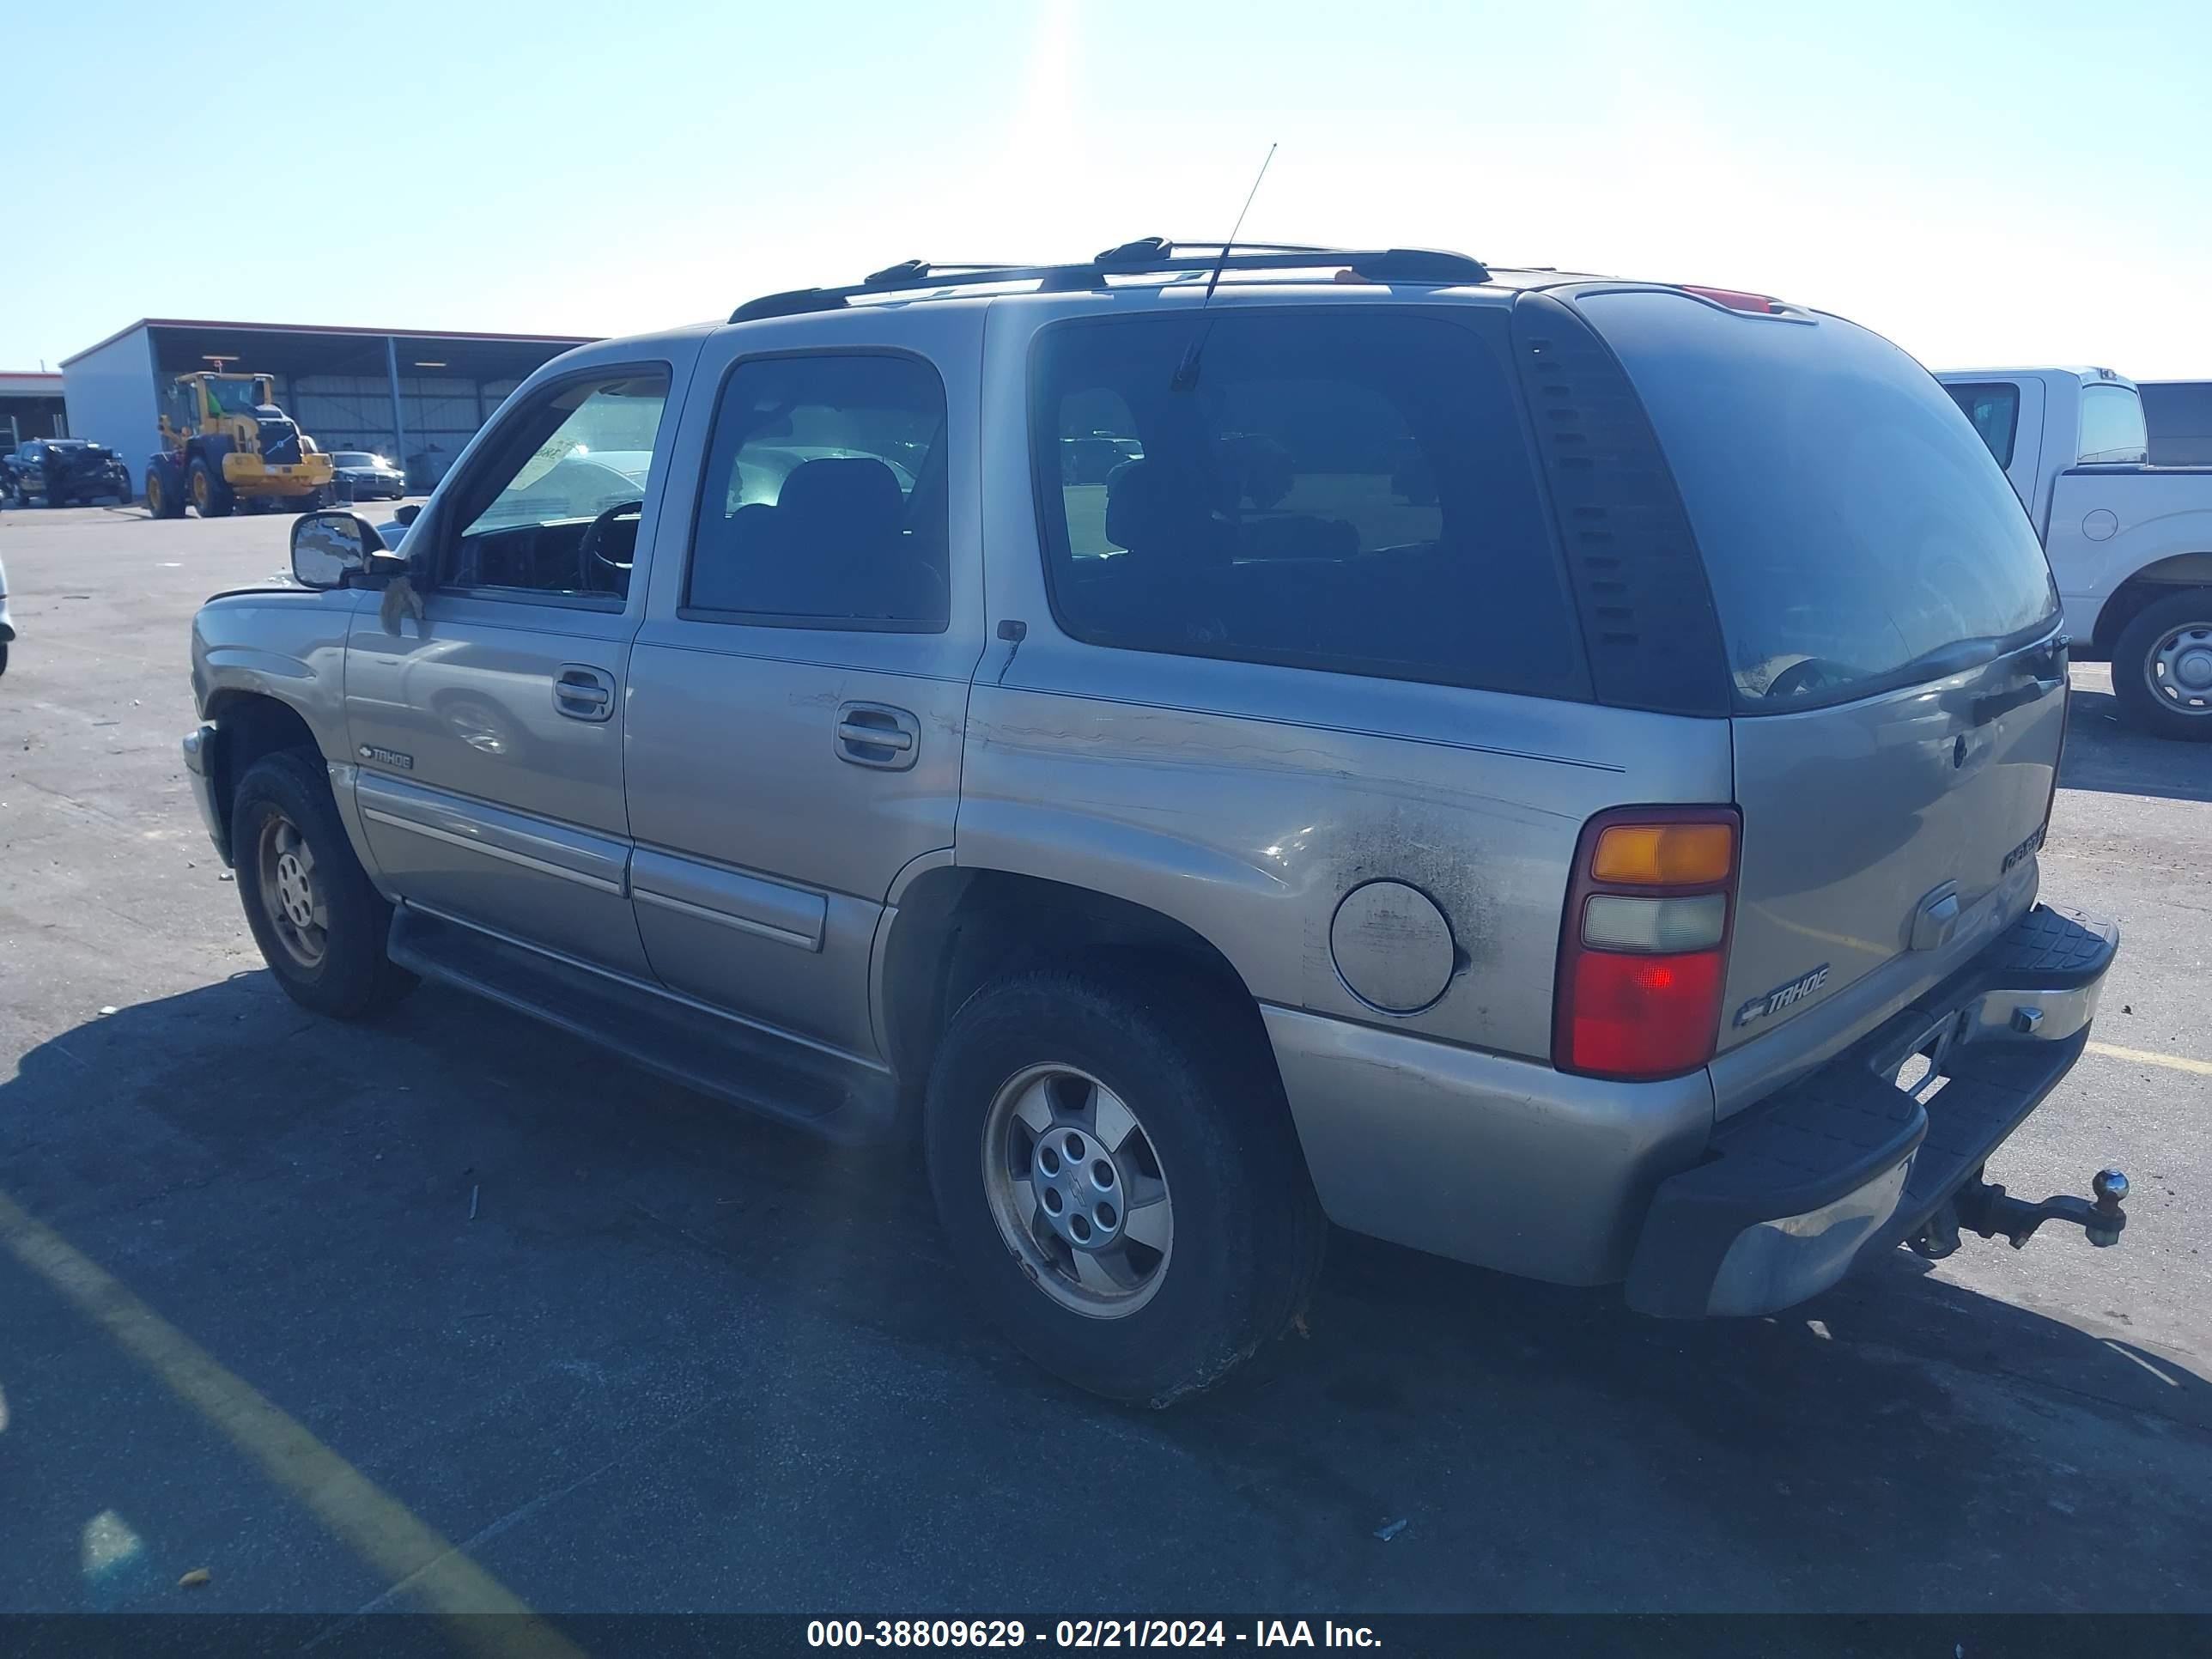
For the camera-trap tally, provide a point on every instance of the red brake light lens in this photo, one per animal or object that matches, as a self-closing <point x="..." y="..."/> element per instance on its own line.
<point x="1642" y="1016"/>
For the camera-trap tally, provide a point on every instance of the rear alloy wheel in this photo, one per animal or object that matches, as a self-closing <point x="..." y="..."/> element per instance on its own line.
<point x="319" y="922"/>
<point x="2162" y="667"/>
<point x="1076" y="1187"/>
<point x="1117" y="1177"/>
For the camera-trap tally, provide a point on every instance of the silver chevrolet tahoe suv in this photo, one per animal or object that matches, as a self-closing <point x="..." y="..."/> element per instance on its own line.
<point x="1546" y="770"/>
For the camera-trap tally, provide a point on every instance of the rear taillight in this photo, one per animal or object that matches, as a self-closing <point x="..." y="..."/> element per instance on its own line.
<point x="1643" y="946"/>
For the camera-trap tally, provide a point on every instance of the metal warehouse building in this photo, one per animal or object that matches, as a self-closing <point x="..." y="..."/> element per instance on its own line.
<point x="30" y="407"/>
<point x="417" y="397"/>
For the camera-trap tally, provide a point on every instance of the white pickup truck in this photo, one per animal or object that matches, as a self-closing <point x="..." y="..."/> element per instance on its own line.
<point x="2130" y="543"/>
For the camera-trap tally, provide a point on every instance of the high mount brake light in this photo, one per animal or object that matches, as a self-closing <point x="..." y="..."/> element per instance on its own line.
<point x="1644" y="945"/>
<point x="1735" y="299"/>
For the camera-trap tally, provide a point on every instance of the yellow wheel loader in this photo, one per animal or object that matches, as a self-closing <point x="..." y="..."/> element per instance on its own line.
<point x="225" y="444"/>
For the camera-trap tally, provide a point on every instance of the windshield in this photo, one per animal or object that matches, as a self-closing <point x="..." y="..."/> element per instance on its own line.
<point x="1853" y="522"/>
<point x="358" y="457"/>
<point x="236" y="394"/>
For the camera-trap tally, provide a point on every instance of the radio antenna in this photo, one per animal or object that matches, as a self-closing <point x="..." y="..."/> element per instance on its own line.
<point x="1186" y="374"/>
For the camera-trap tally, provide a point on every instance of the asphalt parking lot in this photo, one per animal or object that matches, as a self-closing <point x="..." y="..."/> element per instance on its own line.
<point x="681" y="1360"/>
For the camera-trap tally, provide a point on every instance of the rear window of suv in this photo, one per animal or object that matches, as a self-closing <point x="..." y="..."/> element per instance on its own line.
<point x="1857" y="530"/>
<point x="1344" y="489"/>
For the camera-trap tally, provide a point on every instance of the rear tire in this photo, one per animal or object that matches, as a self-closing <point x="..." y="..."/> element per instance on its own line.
<point x="210" y="495"/>
<point x="1164" y="1087"/>
<point x="164" y="495"/>
<point x="2162" y="667"/>
<point x="319" y="922"/>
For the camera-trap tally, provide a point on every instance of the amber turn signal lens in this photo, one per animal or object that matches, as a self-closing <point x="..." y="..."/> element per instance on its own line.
<point x="1663" y="855"/>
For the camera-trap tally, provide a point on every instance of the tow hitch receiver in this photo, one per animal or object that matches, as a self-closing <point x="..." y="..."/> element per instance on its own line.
<point x="1983" y="1207"/>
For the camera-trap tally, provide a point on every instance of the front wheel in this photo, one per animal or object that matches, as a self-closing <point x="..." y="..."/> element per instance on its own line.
<point x="319" y="922"/>
<point x="2162" y="667"/>
<point x="210" y="495"/>
<point x="1117" y="1177"/>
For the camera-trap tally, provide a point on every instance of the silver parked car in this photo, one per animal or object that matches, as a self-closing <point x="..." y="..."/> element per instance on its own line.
<point x="1613" y="861"/>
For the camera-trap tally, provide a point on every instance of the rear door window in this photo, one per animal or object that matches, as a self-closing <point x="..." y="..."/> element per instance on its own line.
<point x="1858" y="534"/>
<point x="1346" y="490"/>
<point x="825" y="501"/>
<point x="1994" y="408"/>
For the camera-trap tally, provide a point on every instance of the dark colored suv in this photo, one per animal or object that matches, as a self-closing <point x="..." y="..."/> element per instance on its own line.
<point x="63" y="472"/>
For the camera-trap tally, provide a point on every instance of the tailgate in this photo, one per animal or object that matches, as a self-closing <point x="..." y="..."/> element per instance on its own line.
<point x="1892" y="636"/>
<point x="1892" y="834"/>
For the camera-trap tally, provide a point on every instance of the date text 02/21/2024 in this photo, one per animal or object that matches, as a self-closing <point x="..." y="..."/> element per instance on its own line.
<point x="1082" y="1633"/>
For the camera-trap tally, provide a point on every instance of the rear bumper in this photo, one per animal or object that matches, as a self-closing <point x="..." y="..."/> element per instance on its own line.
<point x="1844" y="1163"/>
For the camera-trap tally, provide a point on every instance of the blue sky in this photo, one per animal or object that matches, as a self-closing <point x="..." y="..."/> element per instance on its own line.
<point x="1986" y="183"/>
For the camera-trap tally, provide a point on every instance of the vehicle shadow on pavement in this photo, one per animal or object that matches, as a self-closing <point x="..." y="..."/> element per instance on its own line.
<point x="2104" y="752"/>
<point x="419" y="1234"/>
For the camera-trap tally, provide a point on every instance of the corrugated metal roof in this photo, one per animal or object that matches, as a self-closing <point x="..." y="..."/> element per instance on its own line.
<point x="327" y="329"/>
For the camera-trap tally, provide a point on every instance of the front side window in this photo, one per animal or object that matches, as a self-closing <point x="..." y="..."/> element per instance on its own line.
<point x="1995" y="410"/>
<point x="824" y="501"/>
<point x="555" y="509"/>
<point x="2113" y="425"/>
<point x="1344" y="489"/>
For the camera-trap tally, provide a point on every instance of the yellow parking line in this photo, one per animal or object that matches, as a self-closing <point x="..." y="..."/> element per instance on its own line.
<point x="2175" y="1062"/>
<point x="374" y="1525"/>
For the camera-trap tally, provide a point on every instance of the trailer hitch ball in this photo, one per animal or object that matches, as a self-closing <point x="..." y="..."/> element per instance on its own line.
<point x="1986" y="1208"/>
<point x="2105" y="1220"/>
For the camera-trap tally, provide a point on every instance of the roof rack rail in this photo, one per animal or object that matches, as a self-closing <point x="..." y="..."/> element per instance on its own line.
<point x="1149" y="255"/>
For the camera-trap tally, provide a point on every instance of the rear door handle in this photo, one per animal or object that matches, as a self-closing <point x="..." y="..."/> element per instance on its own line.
<point x="583" y="692"/>
<point x="876" y="734"/>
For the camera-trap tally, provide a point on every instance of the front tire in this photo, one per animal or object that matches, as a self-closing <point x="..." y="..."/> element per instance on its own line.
<point x="210" y="495"/>
<point x="1116" y="1175"/>
<point x="2162" y="667"/>
<point x="320" y="925"/>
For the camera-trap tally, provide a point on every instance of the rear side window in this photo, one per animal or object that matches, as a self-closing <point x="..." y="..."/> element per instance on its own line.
<point x="1347" y="490"/>
<point x="825" y="500"/>
<point x="2112" y="424"/>
<point x="1856" y="533"/>
<point x="1995" y="410"/>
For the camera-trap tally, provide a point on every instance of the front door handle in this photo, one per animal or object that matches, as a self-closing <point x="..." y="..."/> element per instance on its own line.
<point x="876" y="734"/>
<point x="583" y="692"/>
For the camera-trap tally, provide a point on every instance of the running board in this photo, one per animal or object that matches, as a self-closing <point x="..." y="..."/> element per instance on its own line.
<point x="842" y="1098"/>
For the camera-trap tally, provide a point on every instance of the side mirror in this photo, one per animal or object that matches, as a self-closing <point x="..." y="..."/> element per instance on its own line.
<point x="328" y="548"/>
<point x="408" y="514"/>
